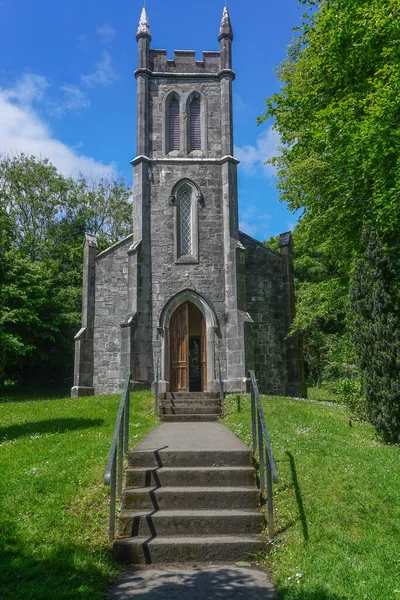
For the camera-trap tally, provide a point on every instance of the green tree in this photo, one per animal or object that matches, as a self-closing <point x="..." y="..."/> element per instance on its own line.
<point x="337" y="115"/>
<point x="375" y="327"/>
<point x="43" y="220"/>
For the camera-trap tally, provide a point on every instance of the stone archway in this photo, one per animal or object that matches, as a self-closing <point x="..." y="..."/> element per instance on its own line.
<point x="209" y="318"/>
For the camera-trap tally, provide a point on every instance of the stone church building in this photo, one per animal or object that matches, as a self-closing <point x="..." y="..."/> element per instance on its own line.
<point x="186" y="293"/>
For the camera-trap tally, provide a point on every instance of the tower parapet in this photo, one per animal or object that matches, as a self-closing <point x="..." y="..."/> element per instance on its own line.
<point x="184" y="62"/>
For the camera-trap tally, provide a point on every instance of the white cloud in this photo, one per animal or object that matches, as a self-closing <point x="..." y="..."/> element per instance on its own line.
<point x="252" y="158"/>
<point x="104" y="73"/>
<point x="23" y="131"/>
<point x="29" y="88"/>
<point x="74" y="98"/>
<point x="106" y="33"/>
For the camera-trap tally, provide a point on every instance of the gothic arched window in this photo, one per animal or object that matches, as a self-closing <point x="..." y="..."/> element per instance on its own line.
<point x="185" y="197"/>
<point x="185" y="223"/>
<point x="194" y="125"/>
<point x="174" y="126"/>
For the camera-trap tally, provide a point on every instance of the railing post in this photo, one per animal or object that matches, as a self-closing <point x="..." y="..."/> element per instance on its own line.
<point x="127" y="411"/>
<point x="120" y="454"/>
<point x="270" y="500"/>
<point x="221" y="388"/>
<point x="261" y="453"/>
<point x="113" y="493"/>
<point x="156" y="387"/>
<point x="253" y="418"/>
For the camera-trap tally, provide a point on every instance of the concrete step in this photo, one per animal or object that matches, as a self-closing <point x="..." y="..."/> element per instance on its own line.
<point x="189" y="395"/>
<point x="190" y="476"/>
<point x="142" y="550"/>
<point x="189" y="522"/>
<point x="190" y="498"/>
<point x="163" y="457"/>
<point x="190" y="409"/>
<point x="189" y="418"/>
<point x="190" y="402"/>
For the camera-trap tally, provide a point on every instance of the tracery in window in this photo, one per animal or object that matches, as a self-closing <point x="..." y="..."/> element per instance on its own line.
<point x="186" y="223"/>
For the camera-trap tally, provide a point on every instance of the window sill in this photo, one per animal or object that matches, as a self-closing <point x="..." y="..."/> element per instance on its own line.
<point x="187" y="259"/>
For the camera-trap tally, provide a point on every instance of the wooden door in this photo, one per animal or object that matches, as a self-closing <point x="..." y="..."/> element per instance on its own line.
<point x="203" y="350"/>
<point x="179" y="349"/>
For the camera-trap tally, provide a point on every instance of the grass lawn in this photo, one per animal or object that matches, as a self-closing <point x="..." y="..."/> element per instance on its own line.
<point x="337" y="502"/>
<point x="53" y="504"/>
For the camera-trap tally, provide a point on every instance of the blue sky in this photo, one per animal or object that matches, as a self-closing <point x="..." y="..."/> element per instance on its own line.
<point x="67" y="90"/>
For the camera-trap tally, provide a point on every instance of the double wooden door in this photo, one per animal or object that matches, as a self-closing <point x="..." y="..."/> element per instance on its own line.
<point x="179" y="331"/>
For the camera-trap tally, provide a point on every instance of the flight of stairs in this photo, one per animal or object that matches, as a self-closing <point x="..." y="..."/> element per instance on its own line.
<point x="189" y="406"/>
<point x="196" y="505"/>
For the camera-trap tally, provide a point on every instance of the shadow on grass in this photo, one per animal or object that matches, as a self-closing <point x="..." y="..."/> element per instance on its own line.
<point x="67" y="572"/>
<point x="299" y="498"/>
<point x="10" y="394"/>
<point x="14" y="432"/>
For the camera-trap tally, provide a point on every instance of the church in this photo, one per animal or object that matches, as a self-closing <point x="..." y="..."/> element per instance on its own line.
<point x="187" y="295"/>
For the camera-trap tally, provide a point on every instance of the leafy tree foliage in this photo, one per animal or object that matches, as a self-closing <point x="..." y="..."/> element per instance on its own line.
<point x="337" y="115"/>
<point x="375" y="327"/>
<point x="43" y="220"/>
<point x="338" y="118"/>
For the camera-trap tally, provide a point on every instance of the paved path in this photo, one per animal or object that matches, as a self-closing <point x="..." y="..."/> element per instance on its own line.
<point x="191" y="437"/>
<point x="194" y="582"/>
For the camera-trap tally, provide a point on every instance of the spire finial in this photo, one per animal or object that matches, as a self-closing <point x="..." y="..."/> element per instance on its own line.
<point x="144" y="27"/>
<point x="226" y="27"/>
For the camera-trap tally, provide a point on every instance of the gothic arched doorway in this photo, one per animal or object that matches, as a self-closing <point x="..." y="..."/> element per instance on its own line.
<point x="188" y="349"/>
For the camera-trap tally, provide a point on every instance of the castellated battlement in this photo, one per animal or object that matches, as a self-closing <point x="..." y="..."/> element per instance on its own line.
<point x="184" y="62"/>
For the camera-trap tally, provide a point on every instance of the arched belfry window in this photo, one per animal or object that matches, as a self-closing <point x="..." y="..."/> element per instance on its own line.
<point x="195" y="125"/>
<point x="186" y="197"/>
<point x="174" y="126"/>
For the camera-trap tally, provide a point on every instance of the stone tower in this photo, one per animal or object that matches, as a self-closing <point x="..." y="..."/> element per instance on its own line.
<point x="186" y="292"/>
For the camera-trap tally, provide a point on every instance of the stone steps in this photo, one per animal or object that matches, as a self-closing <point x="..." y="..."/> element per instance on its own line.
<point x="190" y="458"/>
<point x="186" y="402"/>
<point x="188" y="418"/>
<point x="189" y="406"/>
<point x="189" y="522"/>
<point x="190" y="495"/>
<point x="190" y="409"/>
<point x="190" y="476"/>
<point x="227" y="548"/>
<point x="188" y="395"/>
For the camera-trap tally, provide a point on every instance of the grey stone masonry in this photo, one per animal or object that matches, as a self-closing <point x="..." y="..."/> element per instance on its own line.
<point x="110" y="312"/>
<point x="84" y="356"/>
<point x="186" y="247"/>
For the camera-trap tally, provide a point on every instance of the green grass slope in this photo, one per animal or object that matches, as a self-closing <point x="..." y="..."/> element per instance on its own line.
<point x="53" y="504"/>
<point x="337" y="503"/>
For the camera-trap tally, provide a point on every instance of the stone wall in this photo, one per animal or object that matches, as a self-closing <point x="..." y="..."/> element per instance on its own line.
<point x="168" y="276"/>
<point x="111" y="293"/>
<point x="210" y="90"/>
<point x="264" y="338"/>
<point x="184" y="61"/>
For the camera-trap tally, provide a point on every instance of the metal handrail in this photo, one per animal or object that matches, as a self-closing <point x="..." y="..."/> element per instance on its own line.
<point x="265" y="453"/>
<point x="119" y="445"/>
<point x="221" y="388"/>
<point x="156" y="386"/>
